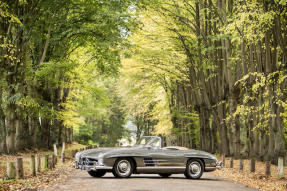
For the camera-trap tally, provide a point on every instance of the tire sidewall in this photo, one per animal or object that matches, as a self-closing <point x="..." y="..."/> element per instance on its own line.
<point x="187" y="171"/>
<point x="115" y="170"/>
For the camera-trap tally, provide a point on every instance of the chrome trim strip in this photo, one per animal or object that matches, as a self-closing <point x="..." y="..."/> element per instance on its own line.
<point x="161" y="167"/>
<point x="151" y="160"/>
<point x="103" y="168"/>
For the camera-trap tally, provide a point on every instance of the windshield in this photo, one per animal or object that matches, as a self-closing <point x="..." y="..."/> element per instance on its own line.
<point x="151" y="141"/>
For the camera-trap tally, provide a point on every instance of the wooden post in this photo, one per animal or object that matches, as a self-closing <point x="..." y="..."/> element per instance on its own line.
<point x="252" y="165"/>
<point x="46" y="162"/>
<point x="53" y="161"/>
<point x="56" y="159"/>
<point x="32" y="165"/>
<point x="241" y="164"/>
<point x="19" y="168"/>
<point x="50" y="164"/>
<point x="38" y="163"/>
<point x="267" y="168"/>
<point x="63" y="147"/>
<point x="63" y="157"/>
<point x="231" y="163"/>
<point x="55" y="150"/>
<point x="11" y="170"/>
<point x="223" y="160"/>
<point x="280" y="167"/>
<point x="73" y="153"/>
<point x="63" y="153"/>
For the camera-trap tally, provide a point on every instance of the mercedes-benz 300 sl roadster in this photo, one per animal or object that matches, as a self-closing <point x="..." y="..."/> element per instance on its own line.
<point x="146" y="157"/>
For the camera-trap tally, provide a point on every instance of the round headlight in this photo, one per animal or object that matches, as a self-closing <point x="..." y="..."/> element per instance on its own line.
<point x="100" y="161"/>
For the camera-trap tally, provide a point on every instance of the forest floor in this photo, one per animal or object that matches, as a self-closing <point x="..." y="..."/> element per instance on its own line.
<point x="44" y="178"/>
<point x="254" y="180"/>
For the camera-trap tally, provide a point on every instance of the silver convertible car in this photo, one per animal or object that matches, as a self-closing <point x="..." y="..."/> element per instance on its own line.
<point x="146" y="157"/>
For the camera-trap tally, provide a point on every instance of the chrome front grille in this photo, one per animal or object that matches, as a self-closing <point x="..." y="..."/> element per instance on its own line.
<point x="87" y="161"/>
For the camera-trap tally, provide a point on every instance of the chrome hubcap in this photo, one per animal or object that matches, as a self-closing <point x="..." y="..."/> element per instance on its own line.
<point x="194" y="169"/>
<point x="124" y="167"/>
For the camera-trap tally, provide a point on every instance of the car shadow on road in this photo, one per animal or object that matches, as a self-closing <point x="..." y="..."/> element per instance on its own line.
<point x="153" y="177"/>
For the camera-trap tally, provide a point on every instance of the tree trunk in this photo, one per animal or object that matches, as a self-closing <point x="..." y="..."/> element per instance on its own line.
<point x="11" y="128"/>
<point x="45" y="134"/>
<point x="205" y="135"/>
<point x="20" y="138"/>
<point x="223" y="130"/>
<point x="34" y="131"/>
<point x="214" y="143"/>
<point x="3" y="146"/>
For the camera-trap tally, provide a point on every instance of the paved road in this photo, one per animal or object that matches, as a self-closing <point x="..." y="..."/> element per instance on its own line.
<point x="81" y="181"/>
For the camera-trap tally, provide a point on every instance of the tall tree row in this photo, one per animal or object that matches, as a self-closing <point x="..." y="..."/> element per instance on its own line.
<point x="231" y="77"/>
<point x="38" y="74"/>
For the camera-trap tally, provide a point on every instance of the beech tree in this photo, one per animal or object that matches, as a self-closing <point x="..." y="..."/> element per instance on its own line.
<point x="37" y="70"/>
<point x="231" y="78"/>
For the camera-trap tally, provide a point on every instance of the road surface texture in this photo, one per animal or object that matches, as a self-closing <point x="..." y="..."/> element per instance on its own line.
<point x="82" y="181"/>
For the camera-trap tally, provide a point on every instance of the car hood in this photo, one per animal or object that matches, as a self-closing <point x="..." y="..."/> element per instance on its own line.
<point x="90" y="152"/>
<point x="95" y="153"/>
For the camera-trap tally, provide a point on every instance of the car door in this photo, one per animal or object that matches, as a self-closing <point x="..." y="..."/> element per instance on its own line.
<point x="164" y="158"/>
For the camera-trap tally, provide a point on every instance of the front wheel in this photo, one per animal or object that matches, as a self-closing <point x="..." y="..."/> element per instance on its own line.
<point x="194" y="169"/>
<point x="165" y="175"/>
<point x="97" y="173"/>
<point x="123" y="168"/>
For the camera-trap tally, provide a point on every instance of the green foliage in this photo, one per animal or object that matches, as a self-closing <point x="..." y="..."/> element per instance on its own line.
<point x="103" y="115"/>
<point x="53" y="56"/>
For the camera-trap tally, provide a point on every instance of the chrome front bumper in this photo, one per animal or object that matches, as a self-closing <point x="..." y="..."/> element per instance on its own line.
<point x="96" y="166"/>
<point x="213" y="168"/>
<point x="102" y="167"/>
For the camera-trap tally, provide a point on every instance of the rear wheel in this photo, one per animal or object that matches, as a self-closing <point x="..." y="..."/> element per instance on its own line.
<point x="165" y="175"/>
<point x="194" y="169"/>
<point x="97" y="173"/>
<point x="123" y="168"/>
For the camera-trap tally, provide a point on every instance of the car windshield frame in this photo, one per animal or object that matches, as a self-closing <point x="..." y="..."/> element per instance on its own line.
<point x="149" y="142"/>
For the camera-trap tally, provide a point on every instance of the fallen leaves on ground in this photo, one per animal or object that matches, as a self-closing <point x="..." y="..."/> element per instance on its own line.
<point x="42" y="180"/>
<point x="254" y="180"/>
